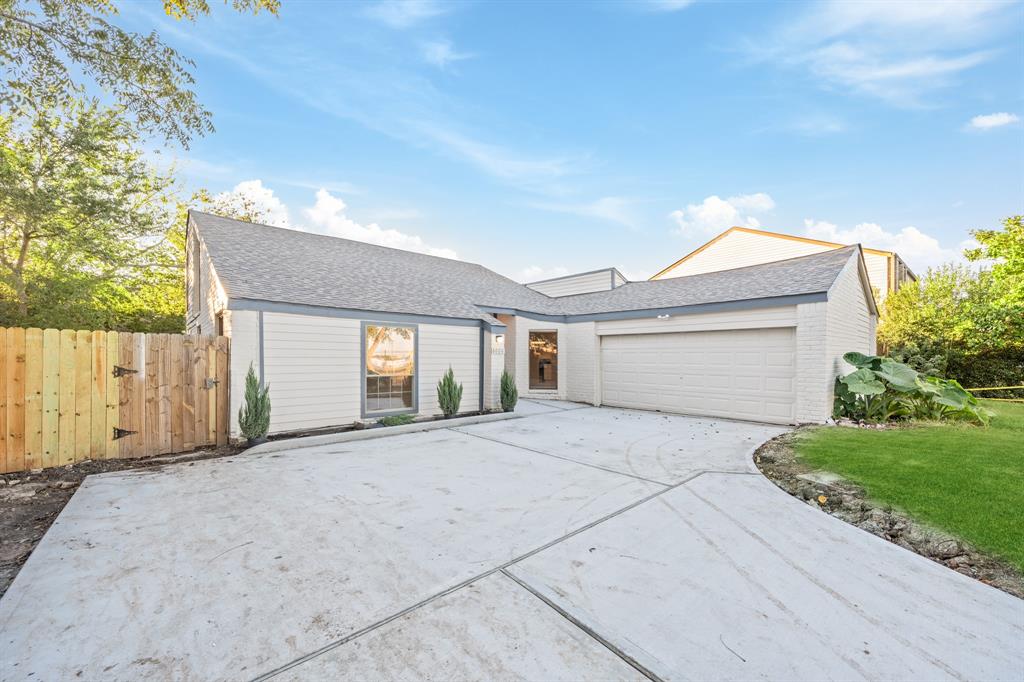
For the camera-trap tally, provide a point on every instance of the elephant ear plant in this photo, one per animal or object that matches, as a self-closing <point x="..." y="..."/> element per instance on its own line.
<point x="449" y="394"/>
<point x="254" y="415"/>
<point x="881" y="389"/>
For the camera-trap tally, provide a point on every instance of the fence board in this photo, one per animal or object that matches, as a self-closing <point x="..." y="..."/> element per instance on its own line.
<point x="33" y="398"/>
<point x="188" y="393"/>
<point x="16" y="398"/>
<point x="66" y="425"/>
<point x="152" y="419"/>
<point x="60" y="402"/>
<point x="3" y="401"/>
<point x="51" y="397"/>
<point x="83" y="394"/>
<point x="98" y="397"/>
<point x="202" y="403"/>
<point x="223" y="391"/>
<point x="175" y="350"/>
<point x="128" y="396"/>
<point x="111" y="400"/>
<point x="211" y="395"/>
<point x="165" y="394"/>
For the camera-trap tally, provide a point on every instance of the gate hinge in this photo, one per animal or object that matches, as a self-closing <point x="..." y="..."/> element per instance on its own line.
<point x="121" y="371"/>
<point x="121" y="433"/>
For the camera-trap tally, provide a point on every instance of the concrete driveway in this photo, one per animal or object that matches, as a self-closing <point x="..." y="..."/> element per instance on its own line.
<point x="573" y="543"/>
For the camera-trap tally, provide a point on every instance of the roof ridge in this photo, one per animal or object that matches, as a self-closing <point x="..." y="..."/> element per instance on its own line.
<point x="332" y="237"/>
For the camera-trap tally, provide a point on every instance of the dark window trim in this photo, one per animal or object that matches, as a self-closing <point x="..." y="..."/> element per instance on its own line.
<point x="362" y="370"/>
<point x="529" y="358"/>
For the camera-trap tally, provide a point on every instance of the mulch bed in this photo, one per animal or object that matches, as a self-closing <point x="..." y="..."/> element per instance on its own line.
<point x="841" y="498"/>
<point x="31" y="500"/>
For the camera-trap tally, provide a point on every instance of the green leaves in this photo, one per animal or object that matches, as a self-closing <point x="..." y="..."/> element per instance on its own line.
<point x="883" y="389"/>
<point x="509" y="392"/>
<point x="863" y="382"/>
<point x="89" y="232"/>
<point x="898" y="376"/>
<point x="254" y="415"/>
<point x="449" y="394"/>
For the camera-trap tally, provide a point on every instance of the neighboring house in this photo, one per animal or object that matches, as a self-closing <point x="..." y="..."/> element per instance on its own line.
<point x="580" y="283"/>
<point x="344" y="331"/>
<point x="741" y="246"/>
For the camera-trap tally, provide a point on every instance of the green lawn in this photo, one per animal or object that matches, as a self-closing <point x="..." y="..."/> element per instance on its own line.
<point x="966" y="480"/>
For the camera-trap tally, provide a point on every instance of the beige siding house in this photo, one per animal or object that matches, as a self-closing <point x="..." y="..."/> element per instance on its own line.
<point x="344" y="331"/>
<point x="741" y="246"/>
<point x="581" y="283"/>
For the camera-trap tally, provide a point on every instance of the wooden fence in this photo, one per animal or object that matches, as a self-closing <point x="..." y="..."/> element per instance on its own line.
<point x="69" y="396"/>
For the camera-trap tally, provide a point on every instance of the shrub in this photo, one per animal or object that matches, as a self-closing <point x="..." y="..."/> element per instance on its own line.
<point x="881" y="389"/>
<point x="509" y="394"/>
<point x="449" y="394"/>
<point x="396" y="420"/>
<point x="254" y="415"/>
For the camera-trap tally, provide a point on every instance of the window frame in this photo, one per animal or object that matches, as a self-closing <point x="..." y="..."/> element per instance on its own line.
<point x="415" y="376"/>
<point x="529" y="359"/>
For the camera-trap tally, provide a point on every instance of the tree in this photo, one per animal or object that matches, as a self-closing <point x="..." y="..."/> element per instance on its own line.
<point x="63" y="42"/>
<point x="87" y="234"/>
<point x="1006" y="248"/>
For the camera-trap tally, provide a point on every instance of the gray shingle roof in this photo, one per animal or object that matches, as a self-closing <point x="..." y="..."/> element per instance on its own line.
<point x="262" y="263"/>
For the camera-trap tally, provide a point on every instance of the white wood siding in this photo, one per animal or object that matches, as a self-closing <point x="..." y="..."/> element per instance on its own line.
<point x="444" y="345"/>
<point x="202" y="306"/>
<point x="576" y="284"/>
<point x="243" y="328"/>
<point x="878" y="274"/>
<point x="313" y="366"/>
<point x="739" y="249"/>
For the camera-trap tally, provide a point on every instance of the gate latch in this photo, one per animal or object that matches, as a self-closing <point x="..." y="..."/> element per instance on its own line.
<point x="121" y="433"/>
<point x="121" y="371"/>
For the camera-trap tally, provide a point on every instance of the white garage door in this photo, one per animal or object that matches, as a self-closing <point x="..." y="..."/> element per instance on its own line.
<point x="742" y="374"/>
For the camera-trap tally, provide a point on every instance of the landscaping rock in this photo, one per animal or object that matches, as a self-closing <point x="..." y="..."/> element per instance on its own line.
<point x="777" y="460"/>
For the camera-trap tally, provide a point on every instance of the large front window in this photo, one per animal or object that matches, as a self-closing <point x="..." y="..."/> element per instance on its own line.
<point x="389" y="368"/>
<point x="544" y="360"/>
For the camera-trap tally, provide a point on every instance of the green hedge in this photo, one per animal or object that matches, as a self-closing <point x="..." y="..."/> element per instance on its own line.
<point x="991" y="368"/>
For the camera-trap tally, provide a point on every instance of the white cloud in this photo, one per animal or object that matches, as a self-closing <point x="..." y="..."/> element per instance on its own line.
<point x="612" y="209"/>
<point x="989" y="121"/>
<point x="715" y="214"/>
<point x="441" y="53"/>
<point x="251" y="197"/>
<point x="404" y="13"/>
<point x="918" y="249"/>
<point x="536" y="273"/>
<point x="495" y="160"/>
<point x="327" y="216"/>
<point x="899" y="52"/>
<point x="386" y="99"/>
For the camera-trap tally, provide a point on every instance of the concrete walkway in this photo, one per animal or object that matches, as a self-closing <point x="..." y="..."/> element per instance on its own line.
<point x="574" y="543"/>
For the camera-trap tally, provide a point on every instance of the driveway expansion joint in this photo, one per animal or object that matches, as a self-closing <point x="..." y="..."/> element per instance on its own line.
<point x="593" y="634"/>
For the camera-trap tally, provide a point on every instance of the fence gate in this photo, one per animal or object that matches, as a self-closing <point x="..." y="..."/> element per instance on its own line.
<point x="69" y="396"/>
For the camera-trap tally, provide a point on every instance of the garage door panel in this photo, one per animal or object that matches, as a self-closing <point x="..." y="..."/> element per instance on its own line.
<point x="744" y="374"/>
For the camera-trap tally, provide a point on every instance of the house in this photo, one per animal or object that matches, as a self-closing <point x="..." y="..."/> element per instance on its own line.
<point x="742" y="246"/>
<point x="345" y="331"/>
<point x="580" y="283"/>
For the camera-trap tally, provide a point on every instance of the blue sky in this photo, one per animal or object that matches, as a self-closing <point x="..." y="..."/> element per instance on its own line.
<point x="546" y="138"/>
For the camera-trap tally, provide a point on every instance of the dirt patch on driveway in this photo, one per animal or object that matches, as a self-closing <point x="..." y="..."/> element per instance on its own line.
<point x="843" y="499"/>
<point x="31" y="500"/>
